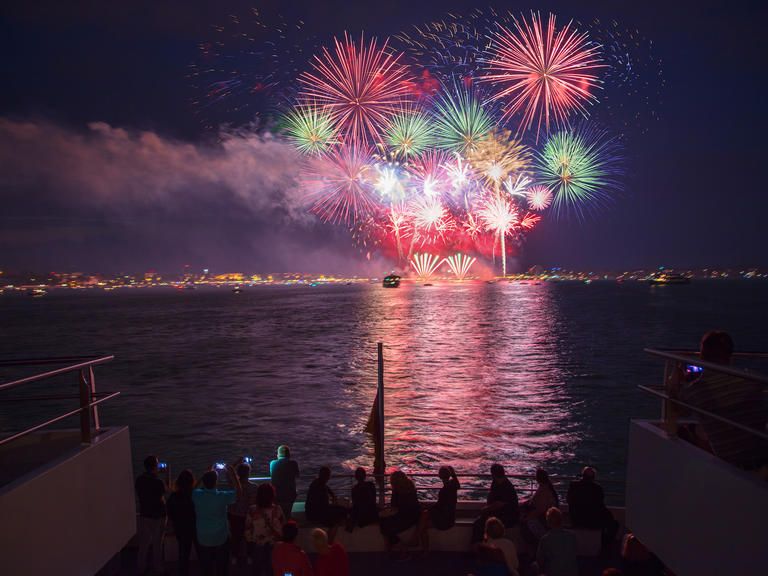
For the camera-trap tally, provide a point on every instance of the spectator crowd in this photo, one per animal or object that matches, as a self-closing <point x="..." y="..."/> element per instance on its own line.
<point x="247" y="528"/>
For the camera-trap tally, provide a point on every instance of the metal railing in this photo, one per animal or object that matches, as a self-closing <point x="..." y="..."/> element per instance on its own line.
<point x="89" y="400"/>
<point x="474" y="488"/>
<point x="678" y="358"/>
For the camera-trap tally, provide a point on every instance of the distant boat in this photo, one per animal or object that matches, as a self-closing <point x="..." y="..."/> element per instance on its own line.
<point x="391" y="281"/>
<point x="237" y="289"/>
<point x="427" y="284"/>
<point x="37" y="292"/>
<point x="661" y="279"/>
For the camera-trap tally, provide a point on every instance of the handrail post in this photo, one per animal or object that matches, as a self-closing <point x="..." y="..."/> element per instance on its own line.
<point x="95" y="407"/>
<point x="668" y="410"/>
<point x="85" y="412"/>
<point x="664" y="411"/>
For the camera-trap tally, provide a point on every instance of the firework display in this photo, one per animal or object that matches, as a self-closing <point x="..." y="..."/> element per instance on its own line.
<point x="452" y="142"/>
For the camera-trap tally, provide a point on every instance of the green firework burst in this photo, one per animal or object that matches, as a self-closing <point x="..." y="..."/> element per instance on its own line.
<point x="310" y="129"/>
<point x="461" y="121"/>
<point x="581" y="166"/>
<point x="409" y="134"/>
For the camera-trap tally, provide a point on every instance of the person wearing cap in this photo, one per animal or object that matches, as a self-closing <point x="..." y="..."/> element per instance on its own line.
<point x="284" y="472"/>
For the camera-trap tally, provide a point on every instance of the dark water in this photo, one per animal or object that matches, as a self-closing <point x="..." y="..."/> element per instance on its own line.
<point x="528" y="375"/>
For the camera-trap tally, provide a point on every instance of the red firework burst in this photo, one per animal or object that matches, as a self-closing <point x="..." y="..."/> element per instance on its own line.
<point x="542" y="72"/>
<point x="338" y="183"/>
<point x="361" y="85"/>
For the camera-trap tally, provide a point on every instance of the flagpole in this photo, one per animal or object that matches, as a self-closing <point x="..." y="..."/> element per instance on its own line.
<point x="379" y="465"/>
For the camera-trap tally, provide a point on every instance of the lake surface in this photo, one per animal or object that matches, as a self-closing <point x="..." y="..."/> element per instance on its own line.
<point x="524" y="374"/>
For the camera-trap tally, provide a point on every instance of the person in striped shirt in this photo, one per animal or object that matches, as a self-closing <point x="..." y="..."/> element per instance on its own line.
<point x="731" y="397"/>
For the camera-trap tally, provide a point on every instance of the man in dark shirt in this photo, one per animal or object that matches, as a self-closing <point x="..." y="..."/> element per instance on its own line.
<point x="150" y="491"/>
<point x="364" y="508"/>
<point x="586" y="506"/>
<point x="321" y="507"/>
<point x="284" y="472"/>
<point x="502" y="503"/>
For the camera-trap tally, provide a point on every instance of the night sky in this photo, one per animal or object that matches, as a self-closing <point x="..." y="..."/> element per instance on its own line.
<point x="107" y="165"/>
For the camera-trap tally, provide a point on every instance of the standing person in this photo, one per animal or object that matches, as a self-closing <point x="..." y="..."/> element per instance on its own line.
<point x="150" y="491"/>
<point x="332" y="559"/>
<point x="556" y="555"/>
<point x="502" y="503"/>
<point x="587" y="509"/>
<point x="284" y="472"/>
<point x="263" y="527"/>
<point x="181" y="513"/>
<point x="404" y="511"/>
<point x="364" y="508"/>
<point x="321" y="506"/>
<point x="442" y="515"/>
<point x="211" y="506"/>
<point x="288" y="557"/>
<point x="246" y="497"/>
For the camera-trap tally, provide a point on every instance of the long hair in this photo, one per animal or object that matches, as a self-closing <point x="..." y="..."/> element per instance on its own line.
<point x="401" y="483"/>
<point x="543" y="478"/>
<point x="185" y="482"/>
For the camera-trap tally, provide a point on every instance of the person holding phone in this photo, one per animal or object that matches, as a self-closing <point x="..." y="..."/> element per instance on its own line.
<point x="211" y="506"/>
<point x="246" y="497"/>
<point x="150" y="493"/>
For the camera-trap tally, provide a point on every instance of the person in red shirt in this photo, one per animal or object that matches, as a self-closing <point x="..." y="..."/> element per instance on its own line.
<point x="332" y="559"/>
<point x="287" y="557"/>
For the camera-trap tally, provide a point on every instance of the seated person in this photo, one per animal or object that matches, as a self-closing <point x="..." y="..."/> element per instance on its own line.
<point x="556" y="555"/>
<point x="288" y="557"/>
<point x="497" y="554"/>
<point x="442" y="514"/>
<point x="321" y="507"/>
<point x="730" y="397"/>
<point x="364" y="508"/>
<point x="587" y="509"/>
<point x="404" y="511"/>
<point x="536" y="507"/>
<point x="332" y="559"/>
<point x="502" y="503"/>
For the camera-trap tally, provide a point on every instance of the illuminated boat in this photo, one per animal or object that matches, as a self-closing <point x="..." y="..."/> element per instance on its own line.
<point x="669" y="279"/>
<point x="391" y="281"/>
<point x="37" y="292"/>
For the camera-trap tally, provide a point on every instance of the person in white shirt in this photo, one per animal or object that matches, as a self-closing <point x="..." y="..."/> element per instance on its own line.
<point x="496" y="553"/>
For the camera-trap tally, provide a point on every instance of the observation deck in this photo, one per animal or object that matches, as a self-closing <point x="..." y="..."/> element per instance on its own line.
<point x="699" y="514"/>
<point x="66" y="495"/>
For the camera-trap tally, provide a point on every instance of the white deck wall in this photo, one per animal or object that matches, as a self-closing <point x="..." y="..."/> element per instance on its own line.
<point x="698" y="514"/>
<point x="72" y="515"/>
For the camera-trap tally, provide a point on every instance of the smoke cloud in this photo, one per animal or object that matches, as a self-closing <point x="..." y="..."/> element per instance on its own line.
<point x="116" y="168"/>
<point x="106" y="197"/>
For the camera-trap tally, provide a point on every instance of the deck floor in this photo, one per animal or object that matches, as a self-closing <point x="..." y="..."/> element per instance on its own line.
<point x="378" y="564"/>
